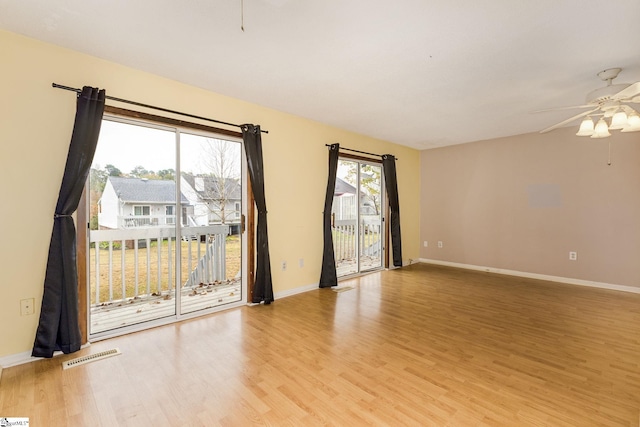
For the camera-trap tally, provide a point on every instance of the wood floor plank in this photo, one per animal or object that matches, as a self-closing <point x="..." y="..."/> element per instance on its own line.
<point x="422" y="345"/>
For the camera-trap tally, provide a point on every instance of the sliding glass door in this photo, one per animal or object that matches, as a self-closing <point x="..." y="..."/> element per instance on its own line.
<point x="165" y="209"/>
<point x="357" y="217"/>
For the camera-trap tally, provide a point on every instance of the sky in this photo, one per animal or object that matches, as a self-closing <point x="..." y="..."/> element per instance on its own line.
<point x="126" y="146"/>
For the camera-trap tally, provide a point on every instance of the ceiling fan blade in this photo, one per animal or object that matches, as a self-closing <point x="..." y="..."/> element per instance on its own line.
<point x="569" y="120"/>
<point x="628" y="92"/>
<point x="563" y="108"/>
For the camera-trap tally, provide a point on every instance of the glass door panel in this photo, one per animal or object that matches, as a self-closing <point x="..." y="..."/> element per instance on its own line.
<point x="132" y="241"/>
<point x="211" y="261"/>
<point x="370" y="222"/>
<point x="344" y="214"/>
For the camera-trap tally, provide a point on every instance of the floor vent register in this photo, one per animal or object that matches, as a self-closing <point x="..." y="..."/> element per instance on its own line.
<point x="90" y="358"/>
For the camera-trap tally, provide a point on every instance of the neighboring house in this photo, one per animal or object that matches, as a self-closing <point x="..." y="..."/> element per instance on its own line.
<point x="344" y="200"/>
<point x="214" y="200"/>
<point x="139" y="202"/>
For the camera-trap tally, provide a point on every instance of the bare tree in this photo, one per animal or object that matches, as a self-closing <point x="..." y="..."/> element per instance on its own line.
<point x="370" y="181"/>
<point x="221" y="184"/>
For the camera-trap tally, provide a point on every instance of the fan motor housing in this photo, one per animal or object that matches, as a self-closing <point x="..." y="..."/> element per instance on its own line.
<point x="603" y="94"/>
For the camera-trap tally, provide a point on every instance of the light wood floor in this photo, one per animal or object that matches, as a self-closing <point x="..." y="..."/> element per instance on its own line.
<point x="423" y="345"/>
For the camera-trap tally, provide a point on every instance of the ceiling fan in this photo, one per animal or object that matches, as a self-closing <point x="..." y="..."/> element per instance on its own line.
<point x="611" y="102"/>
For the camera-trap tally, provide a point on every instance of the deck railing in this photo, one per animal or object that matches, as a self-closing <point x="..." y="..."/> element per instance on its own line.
<point x="134" y="221"/>
<point x="134" y="263"/>
<point x="344" y="238"/>
<point x="211" y="265"/>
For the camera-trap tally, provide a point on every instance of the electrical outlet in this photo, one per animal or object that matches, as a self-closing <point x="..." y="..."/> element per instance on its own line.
<point x="26" y="306"/>
<point x="301" y="262"/>
<point x="425" y="244"/>
<point x="573" y="256"/>
<point x="440" y="243"/>
<point x="284" y="265"/>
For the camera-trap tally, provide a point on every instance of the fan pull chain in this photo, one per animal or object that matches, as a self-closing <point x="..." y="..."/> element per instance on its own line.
<point x="242" y="15"/>
<point x="609" y="162"/>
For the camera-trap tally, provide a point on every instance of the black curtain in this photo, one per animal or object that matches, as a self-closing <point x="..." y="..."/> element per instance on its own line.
<point x="389" y="166"/>
<point x="263" y="286"/>
<point x="58" y="328"/>
<point x="328" y="275"/>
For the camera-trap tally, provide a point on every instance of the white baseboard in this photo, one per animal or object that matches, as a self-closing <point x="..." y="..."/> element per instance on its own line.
<point x="295" y="291"/>
<point x="567" y="280"/>
<point x="17" y="359"/>
<point x="25" y="357"/>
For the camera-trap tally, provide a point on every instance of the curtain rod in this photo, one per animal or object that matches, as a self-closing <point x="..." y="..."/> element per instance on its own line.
<point x="139" y="104"/>
<point x="362" y="152"/>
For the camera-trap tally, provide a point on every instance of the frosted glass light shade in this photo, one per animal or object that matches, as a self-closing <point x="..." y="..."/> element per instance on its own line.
<point x="586" y="127"/>
<point x="633" y="124"/>
<point x="601" y="130"/>
<point x="619" y="120"/>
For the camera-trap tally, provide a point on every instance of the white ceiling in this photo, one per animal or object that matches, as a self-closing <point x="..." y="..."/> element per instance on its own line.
<point x="421" y="73"/>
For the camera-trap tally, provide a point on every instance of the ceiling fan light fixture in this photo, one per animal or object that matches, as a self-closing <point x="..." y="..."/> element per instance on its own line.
<point x="610" y="104"/>
<point x="601" y="130"/>
<point x="619" y="120"/>
<point x="586" y="127"/>
<point x="633" y="123"/>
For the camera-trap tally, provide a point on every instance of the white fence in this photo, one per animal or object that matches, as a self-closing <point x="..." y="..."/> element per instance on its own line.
<point x="346" y="242"/>
<point x="151" y="271"/>
<point x="134" y="221"/>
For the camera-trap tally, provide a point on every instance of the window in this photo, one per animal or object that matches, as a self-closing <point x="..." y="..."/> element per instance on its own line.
<point x="169" y="214"/>
<point x="238" y="207"/>
<point x="142" y="210"/>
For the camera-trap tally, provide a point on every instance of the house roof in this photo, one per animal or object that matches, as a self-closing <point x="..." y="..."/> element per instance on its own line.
<point x="343" y="187"/>
<point x="210" y="188"/>
<point x="141" y="190"/>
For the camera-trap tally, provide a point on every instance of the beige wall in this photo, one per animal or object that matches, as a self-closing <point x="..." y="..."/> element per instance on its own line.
<point x="35" y="127"/>
<point x="523" y="203"/>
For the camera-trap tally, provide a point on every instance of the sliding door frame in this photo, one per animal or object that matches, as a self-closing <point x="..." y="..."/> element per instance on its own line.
<point x="82" y="219"/>
<point x="384" y="209"/>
